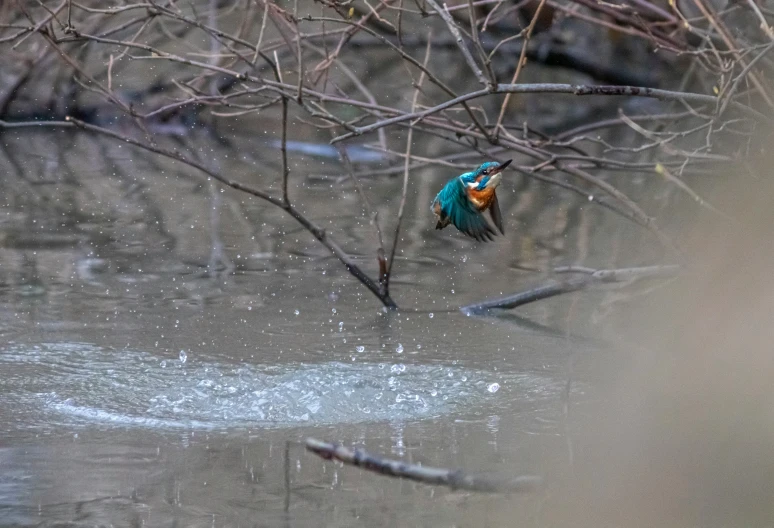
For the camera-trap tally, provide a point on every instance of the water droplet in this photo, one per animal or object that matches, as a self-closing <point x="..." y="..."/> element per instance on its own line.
<point x="431" y="315"/>
<point x="183" y="356"/>
<point x="341" y="326"/>
<point x="360" y="348"/>
<point x="493" y="387"/>
<point x="296" y="312"/>
<point x="399" y="350"/>
<point x="163" y="363"/>
<point x="333" y="310"/>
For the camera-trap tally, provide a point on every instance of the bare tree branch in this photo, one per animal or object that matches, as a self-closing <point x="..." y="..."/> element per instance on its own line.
<point x="320" y="234"/>
<point x="83" y="48"/>
<point x="455" y="479"/>
<point x="460" y="42"/>
<point x="588" y="277"/>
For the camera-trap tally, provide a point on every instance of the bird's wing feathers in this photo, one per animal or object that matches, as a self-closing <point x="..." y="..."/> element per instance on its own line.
<point x="462" y="213"/>
<point x="497" y="216"/>
<point x="472" y="224"/>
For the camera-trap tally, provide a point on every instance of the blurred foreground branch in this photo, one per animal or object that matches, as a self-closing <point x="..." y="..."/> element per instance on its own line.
<point x="455" y="479"/>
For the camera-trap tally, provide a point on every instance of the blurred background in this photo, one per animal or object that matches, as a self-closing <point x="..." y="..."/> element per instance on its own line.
<point x="165" y="333"/>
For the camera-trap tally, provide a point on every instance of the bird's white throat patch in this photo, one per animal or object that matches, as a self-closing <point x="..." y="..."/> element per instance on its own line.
<point x="494" y="181"/>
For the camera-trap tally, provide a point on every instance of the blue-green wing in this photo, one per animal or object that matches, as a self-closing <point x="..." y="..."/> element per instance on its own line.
<point x="463" y="214"/>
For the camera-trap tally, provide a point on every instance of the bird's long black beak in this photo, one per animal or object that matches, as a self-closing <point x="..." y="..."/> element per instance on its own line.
<point x="502" y="166"/>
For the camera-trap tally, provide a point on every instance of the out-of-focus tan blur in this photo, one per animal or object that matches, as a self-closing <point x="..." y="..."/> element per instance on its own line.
<point x="686" y="437"/>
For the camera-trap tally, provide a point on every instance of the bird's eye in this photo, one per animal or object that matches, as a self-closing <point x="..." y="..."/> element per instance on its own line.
<point x="485" y="172"/>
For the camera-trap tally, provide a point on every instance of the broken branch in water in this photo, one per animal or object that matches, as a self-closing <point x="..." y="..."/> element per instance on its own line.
<point x="588" y="277"/>
<point x="454" y="478"/>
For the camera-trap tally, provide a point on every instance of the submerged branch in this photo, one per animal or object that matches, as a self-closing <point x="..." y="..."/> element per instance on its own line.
<point x="454" y="478"/>
<point x="587" y="277"/>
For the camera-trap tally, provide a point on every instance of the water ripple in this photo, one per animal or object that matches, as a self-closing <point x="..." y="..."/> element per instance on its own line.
<point x="78" y="383"/>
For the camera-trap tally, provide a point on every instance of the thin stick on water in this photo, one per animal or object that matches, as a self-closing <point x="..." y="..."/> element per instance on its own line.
<point x="453" y="478"/>
<point x="286" y="459"/>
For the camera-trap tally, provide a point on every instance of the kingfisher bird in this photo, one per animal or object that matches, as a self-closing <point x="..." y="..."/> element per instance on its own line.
<point x="463" y="200"/>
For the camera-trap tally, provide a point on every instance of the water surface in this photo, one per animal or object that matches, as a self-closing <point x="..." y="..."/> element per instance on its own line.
<point x="163" y="339"/>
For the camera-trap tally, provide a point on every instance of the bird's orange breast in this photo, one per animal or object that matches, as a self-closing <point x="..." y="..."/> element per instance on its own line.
<point x="481" y="199"/>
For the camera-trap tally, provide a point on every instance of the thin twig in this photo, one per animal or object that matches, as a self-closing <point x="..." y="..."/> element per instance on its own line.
<point x="430" y="76"/>
<point x="764" y="23"/>
<point x="372" y="214"/>
<point x="409" y="140"/>
<point x="446" y="16"/>
<point x="100" y="88"/>
<point x="728" y="40"/>
<point x="727" y="96"/>
<point x="455" y="479"/>
<point x="286" y="461"/>
<point x="477" y="42"/>
<point x="519" y="65"/>
<point x="574" y="89"/>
